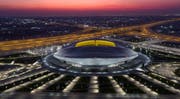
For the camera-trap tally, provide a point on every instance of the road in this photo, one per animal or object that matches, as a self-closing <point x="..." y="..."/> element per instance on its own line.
<point x="31" y="43"/>
<point x="168" y="50"/>
<point x="150" y="45"/>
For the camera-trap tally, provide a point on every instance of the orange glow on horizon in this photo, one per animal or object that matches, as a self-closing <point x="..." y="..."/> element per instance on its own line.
<point x="88" y="4"/>
<point x="87" y="7"/>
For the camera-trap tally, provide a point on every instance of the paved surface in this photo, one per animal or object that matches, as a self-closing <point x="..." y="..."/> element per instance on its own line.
<point x="31" y="43"/>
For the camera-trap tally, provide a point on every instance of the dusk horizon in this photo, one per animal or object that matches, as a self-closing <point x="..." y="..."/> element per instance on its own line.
<point x="53" y="49"/>
<point x="88" y="7"/>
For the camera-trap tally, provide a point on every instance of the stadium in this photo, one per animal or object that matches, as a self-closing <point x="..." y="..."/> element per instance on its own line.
<point x="96" y="58"/>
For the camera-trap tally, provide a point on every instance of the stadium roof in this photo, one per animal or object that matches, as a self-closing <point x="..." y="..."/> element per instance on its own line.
<point x="95" y="43"/>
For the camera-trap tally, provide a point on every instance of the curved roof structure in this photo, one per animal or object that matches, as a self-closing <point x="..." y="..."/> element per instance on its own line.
<point x="105" y="57"/>
<point x="95" y="52"/>
<point x="95" y="43"/>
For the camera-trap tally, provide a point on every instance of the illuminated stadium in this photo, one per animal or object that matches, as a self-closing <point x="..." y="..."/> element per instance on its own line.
<point x="96" y="57"/>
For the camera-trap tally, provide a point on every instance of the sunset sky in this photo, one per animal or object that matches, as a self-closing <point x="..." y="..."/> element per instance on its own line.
<point x="87" y="7"/>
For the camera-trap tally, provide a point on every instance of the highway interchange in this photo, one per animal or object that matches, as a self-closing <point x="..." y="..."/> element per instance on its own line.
<point x="32" y="78"/>
<point x="31" y="43"/>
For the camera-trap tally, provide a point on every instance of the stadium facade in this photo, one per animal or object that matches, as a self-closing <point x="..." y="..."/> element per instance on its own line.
<point x="96" y="57"/>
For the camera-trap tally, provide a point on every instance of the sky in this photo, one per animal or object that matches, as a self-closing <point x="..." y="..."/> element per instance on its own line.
<point x="87" y="7"/>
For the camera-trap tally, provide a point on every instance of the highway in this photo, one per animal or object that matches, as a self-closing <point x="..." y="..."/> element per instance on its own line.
<point x="150" y="45"/>
<point x="31" y="43"/>
<point x="161" y="79"/>
<point x="168" y="50"/>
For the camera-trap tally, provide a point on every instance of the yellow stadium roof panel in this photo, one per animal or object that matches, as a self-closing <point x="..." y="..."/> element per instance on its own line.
<point x="95" y="43"/>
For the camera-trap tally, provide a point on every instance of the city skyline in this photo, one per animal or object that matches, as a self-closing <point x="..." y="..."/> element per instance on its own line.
<point x="88" y="7"/>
